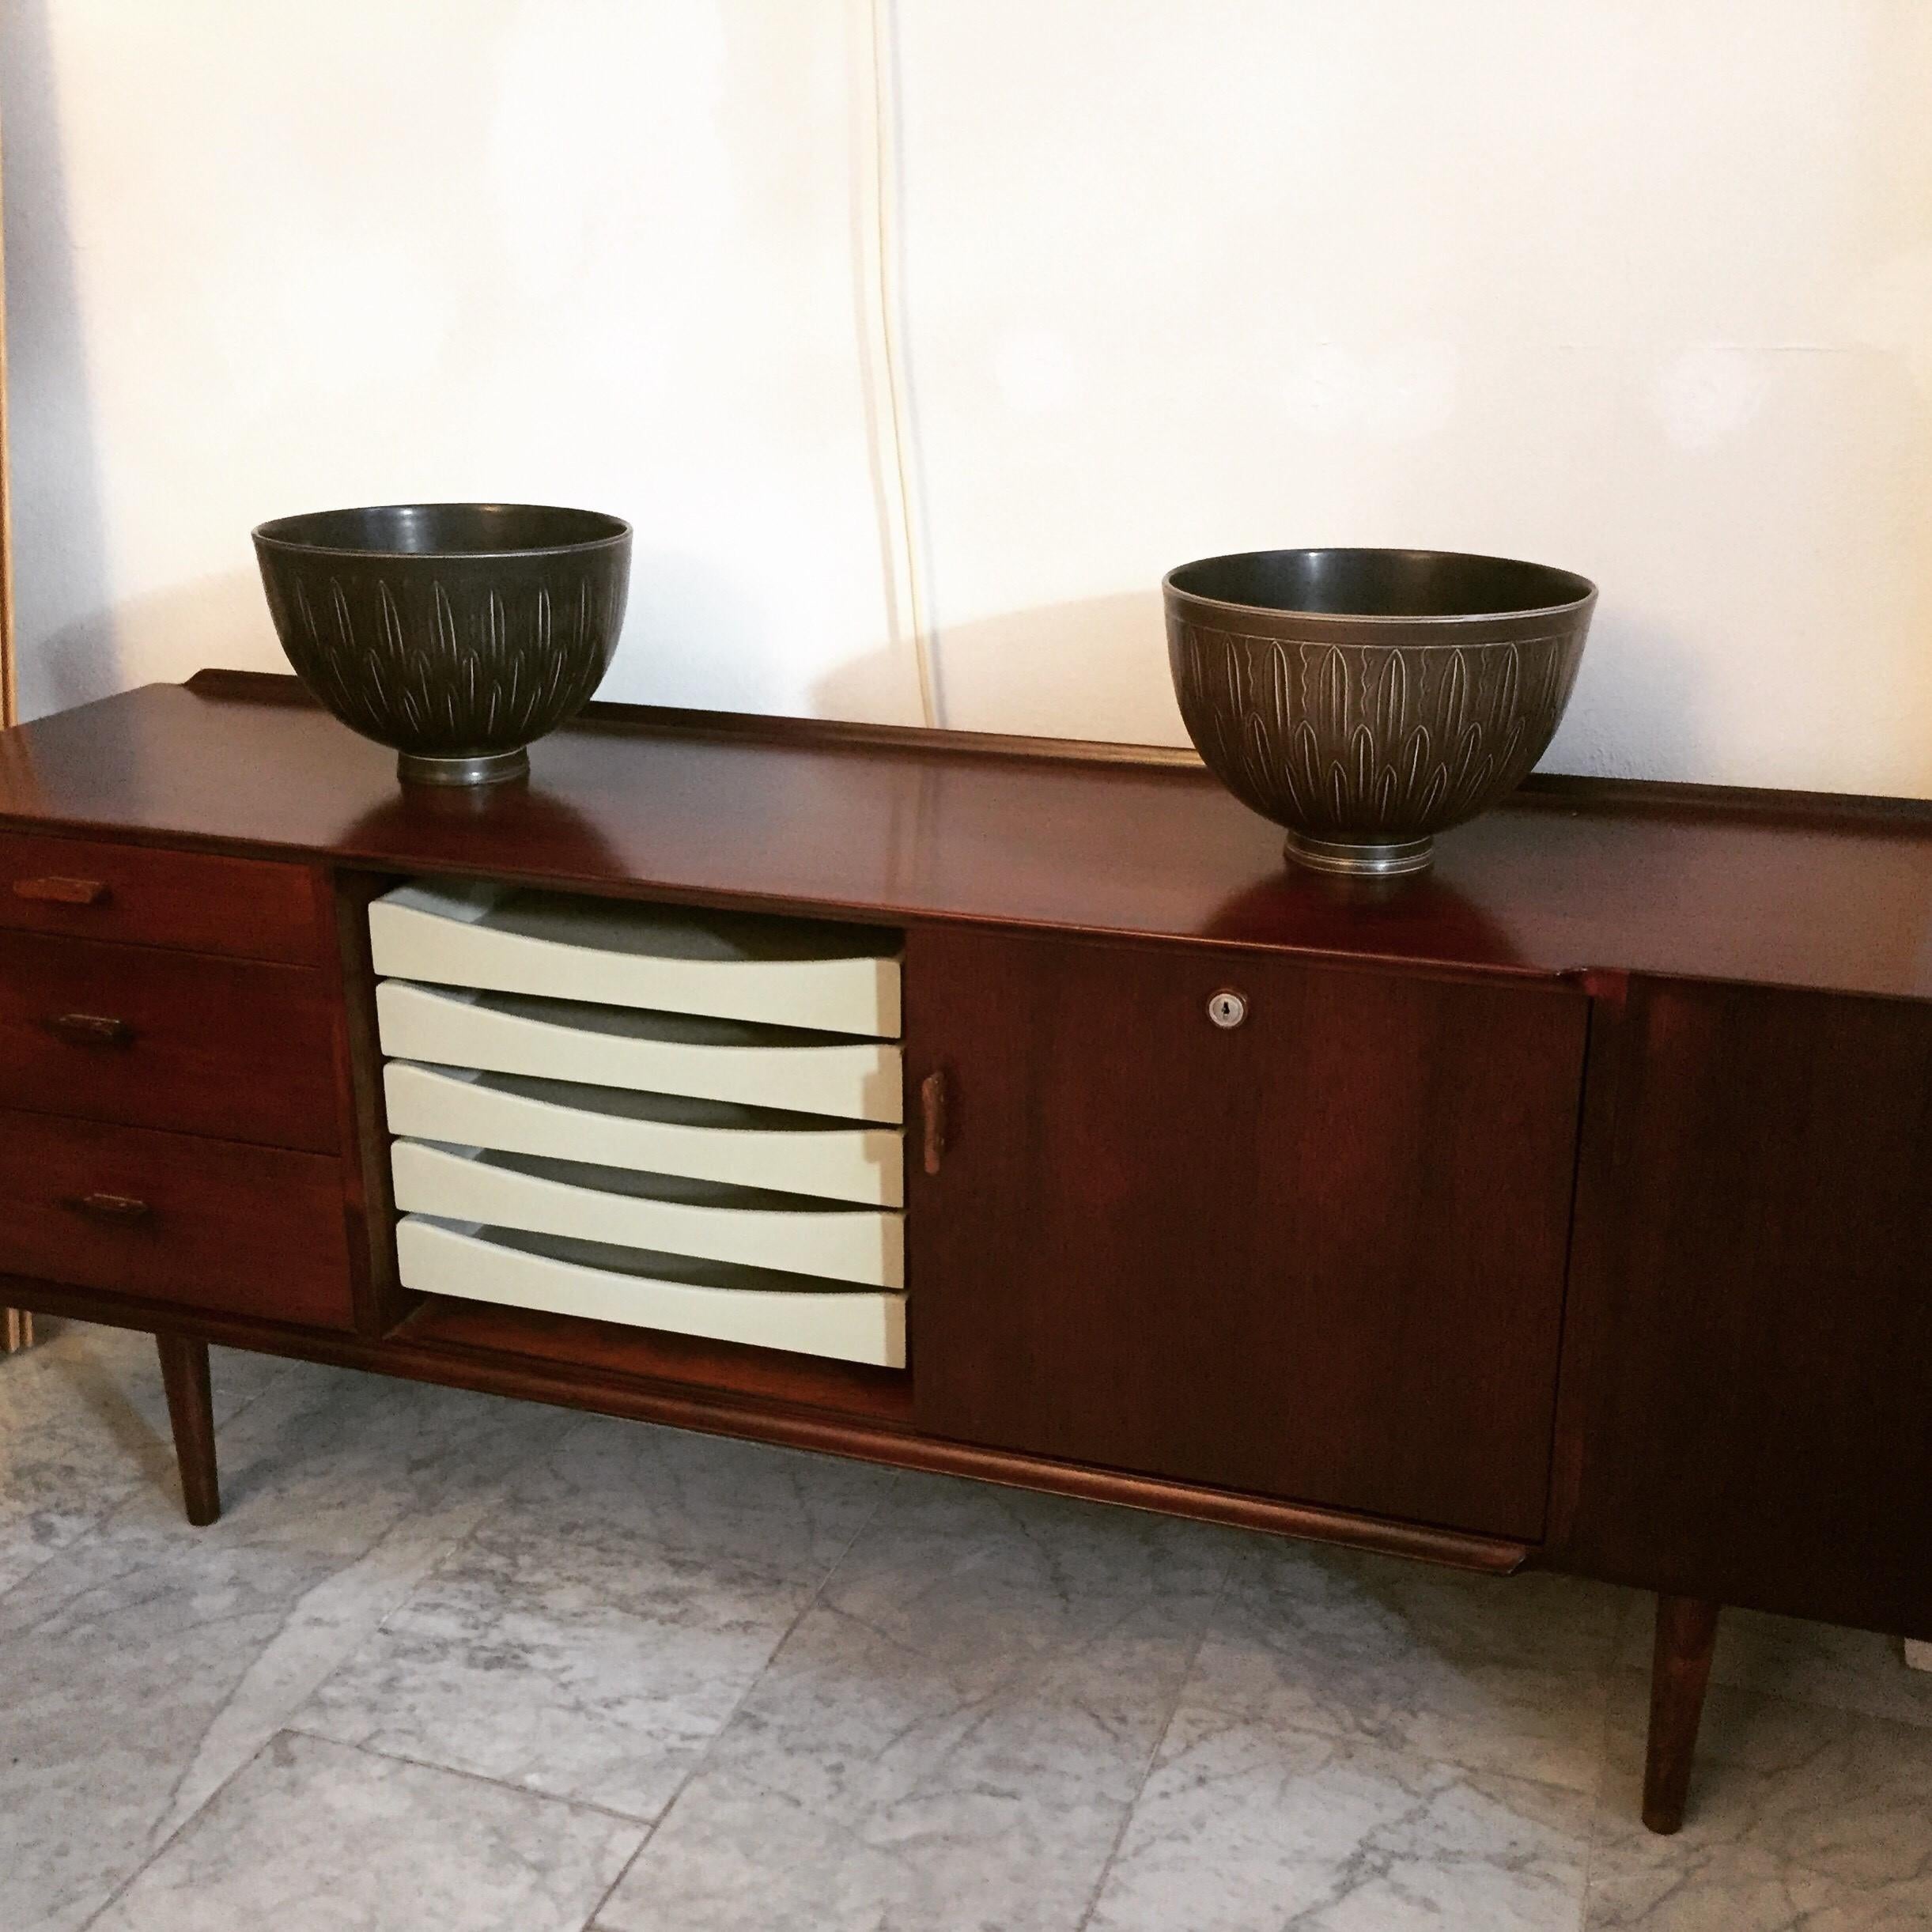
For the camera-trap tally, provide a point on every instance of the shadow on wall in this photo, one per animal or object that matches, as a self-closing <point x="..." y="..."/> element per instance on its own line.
<point x="1640" y="685"/>
<point x="1096" y="668"/>
<point x="64" y="625"/>
<point x="220" y="621"/>
<point x="692" y="636"/>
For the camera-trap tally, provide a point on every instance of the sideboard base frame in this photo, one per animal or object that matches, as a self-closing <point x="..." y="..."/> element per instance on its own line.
<point x="866" y="1438"/>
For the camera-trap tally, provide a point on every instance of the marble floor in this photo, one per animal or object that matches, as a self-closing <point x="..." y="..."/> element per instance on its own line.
<point x="455" y="1663"/>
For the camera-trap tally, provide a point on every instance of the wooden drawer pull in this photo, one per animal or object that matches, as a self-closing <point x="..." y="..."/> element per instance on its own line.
<point x="932" y="1112"/>
<point x="64" y="891"/>
<point x="92" y="1030"/>
<point x="117" y="1210"/>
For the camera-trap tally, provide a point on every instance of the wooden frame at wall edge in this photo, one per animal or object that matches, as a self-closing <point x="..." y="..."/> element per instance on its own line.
<point x="15" y="1324"/>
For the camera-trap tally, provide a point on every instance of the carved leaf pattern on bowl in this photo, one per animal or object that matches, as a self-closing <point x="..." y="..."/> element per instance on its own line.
<point x="430" y="664"/>
<point x="1355" y="741"/>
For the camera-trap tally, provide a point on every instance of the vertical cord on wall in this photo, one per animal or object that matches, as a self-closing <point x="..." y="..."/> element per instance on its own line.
<point x="889" y="402"/>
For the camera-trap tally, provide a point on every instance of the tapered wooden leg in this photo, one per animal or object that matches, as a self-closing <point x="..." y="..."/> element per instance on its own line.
<point x="191" y="1409"/>
<point x="15" y="1330"/>
<point x="1687" y="1631"/>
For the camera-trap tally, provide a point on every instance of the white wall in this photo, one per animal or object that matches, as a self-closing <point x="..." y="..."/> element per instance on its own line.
<point x="1643" y="288"/>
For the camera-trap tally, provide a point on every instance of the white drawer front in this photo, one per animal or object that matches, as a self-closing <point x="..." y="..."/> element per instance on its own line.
<point x="649" y="1291"/>
<point x="704" y="1139"/>
<point x="654" y="1052"/>
<point x="787" y="972"/>
<point x="699" y="1218"/>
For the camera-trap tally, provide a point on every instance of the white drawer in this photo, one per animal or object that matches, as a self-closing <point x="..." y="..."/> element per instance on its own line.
<point x="666" y="1212"/>
<point x="672" y="959"/>
<point x="654" y="1133"/>
<point x="671" y="1292"/>
<point x="655" y="1053"/>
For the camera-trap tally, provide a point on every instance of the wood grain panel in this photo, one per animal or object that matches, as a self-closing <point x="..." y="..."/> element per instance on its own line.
<point x="1318" y="1255"/>
<point x="1747" y="1410"/>
<point x="90" y="889"/>
<point x="173" y="1218"/>
<point x="233" y="1048"/>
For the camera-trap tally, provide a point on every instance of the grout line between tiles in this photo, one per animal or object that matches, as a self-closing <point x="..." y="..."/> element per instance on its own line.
<point x="445" y="1557"/>
<point x="160" y="1851"/>
<point x="704" y="1756"/>
<point x="503" y="1495"/>
<point x="1182" y="1680"/>
<point x="1599" y="1791"/>
<point x="472" y="1777"/>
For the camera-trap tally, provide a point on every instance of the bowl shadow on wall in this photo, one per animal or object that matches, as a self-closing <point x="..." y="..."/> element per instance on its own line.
<point x="1639" y="707"/>
<point x="166" y="634"/>
<point x="1096" y="667"/>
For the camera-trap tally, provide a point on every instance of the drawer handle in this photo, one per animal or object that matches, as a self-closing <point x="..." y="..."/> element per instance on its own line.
<point x="92" y="1030"/>
<point x="64" y="891"/>
<point x="932" y="1112"/>
<point x="116" y="1210"/>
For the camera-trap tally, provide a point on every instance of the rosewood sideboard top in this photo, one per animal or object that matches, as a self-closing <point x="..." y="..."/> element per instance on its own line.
<point x="1569" y="876"/>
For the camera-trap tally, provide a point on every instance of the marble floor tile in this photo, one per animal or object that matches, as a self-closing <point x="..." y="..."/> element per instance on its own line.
<point x="314" y="1837"/>
<point x="83" y="1424"/>
<point x="1813" y="1663"/>
<point x="1496" y="1673"/>
<point x="145" y="1664"/>
<point x="1246" y="1827"/>
<point x="952" y="1736"/>
<point x="1802" y="1818"/>
<point x="957" y="1733"/>
<point x="594" y="1635"/>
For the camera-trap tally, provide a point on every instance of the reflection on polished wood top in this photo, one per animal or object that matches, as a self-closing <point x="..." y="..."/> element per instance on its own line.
<point x="1569" y="875"/>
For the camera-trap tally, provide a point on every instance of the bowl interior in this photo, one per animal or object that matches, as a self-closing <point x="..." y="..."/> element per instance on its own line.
<point x="444" y="529"/>
<point x="1380" y="582"/>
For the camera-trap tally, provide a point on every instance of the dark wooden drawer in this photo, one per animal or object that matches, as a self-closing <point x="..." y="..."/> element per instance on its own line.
<point x="175" y="1217"/>
<point x="227" y="1047"/>
<point x="249" y="908"/>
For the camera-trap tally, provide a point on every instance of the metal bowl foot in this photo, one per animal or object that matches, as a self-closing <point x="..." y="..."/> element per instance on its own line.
<point x="482" y="768"/>
<point x="1361" y="860"/>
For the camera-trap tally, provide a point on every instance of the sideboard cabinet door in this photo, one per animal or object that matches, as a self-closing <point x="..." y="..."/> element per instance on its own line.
<point x="1317" y="1253"/>
<point x="1748" y="1392"/>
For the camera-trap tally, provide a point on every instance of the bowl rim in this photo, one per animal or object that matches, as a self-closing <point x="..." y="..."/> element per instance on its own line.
<point x="274" y="532"/>
<point x="1279" y="612"/>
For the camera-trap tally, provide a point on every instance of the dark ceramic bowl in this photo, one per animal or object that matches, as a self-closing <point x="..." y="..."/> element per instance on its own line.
<point x="453" y="632"/>
<point x="1369" y="699"/>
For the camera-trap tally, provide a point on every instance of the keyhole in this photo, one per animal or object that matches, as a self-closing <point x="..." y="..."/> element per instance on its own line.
<point x="1226" y="1007"/>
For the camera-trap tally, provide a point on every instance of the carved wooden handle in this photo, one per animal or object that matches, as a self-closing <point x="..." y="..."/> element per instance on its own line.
<point x="117" y="1210"/>
<point x="933" y="1112"/>
<point x="64" y="891"/>
<point x="92" y="1030"/>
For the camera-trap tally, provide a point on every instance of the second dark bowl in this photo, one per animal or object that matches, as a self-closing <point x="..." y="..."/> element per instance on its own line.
<point x="1368" y="699"/>
<point x="454" y="633"/>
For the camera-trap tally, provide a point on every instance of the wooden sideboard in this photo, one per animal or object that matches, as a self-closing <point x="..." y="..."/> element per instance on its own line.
<point x="1568" y="1208"/>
